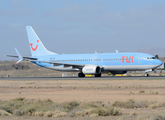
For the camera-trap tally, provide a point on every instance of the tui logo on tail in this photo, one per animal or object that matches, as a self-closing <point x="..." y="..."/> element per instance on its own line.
<point x="34" y="49"/>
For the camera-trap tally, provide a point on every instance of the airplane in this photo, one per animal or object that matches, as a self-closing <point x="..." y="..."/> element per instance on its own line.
<point x="92" y="63"/>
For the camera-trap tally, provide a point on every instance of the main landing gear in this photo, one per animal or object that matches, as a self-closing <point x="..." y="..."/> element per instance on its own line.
<point x="98" y="75"/>
<point x="81" y="75"/>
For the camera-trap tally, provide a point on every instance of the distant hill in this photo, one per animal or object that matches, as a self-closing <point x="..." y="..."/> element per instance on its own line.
<point x="10" y="65"/>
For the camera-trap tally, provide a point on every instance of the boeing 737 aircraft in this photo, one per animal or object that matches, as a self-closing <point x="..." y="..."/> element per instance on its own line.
<point x="95" y="64"/>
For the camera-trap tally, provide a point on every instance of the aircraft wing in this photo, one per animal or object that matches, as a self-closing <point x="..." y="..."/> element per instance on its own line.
<point x="65" y="64"/>
<point x="51" y="62"/>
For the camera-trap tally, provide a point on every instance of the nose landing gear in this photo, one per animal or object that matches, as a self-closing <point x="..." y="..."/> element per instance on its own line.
<point x="146" y="74"/>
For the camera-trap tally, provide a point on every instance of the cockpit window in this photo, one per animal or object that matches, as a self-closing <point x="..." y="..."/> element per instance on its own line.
<point x="151" y="57"/>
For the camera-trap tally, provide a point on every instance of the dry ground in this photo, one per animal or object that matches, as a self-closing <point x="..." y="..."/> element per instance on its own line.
<point x="83" y="90"/>
<point x="107" y="91"/>
<point x="41" y="72"/>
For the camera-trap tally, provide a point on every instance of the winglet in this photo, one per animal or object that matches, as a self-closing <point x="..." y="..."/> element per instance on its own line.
<point x="19" y="56"/>
<point x="117" y="51"/>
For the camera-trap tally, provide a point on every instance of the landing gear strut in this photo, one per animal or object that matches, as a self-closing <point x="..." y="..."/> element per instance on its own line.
<point x="98" y="75"/>
<point x="146" y="74"/>
<point x="81" y="75"/>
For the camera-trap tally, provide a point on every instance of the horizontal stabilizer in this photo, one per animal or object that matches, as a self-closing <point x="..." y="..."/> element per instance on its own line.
<point x="30" y="58"/>
<point x="20" y="57"/>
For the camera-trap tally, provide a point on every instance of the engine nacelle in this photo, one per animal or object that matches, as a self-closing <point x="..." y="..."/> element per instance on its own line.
<point x="91" y="69"/>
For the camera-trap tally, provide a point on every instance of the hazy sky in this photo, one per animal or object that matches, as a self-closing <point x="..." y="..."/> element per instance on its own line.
<point x="83" y="26"/>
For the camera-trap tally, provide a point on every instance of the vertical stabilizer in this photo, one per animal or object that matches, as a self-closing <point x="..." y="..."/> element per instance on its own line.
<point x="36" y="46"/>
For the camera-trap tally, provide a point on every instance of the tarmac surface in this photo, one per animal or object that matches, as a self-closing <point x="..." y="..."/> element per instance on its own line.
<point x="88" y="78"/>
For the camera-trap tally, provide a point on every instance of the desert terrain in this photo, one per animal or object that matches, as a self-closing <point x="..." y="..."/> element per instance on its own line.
<point x="133" y="98"/>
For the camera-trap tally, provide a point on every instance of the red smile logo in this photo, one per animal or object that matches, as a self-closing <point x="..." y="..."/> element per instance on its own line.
<point x="34" y="49"/>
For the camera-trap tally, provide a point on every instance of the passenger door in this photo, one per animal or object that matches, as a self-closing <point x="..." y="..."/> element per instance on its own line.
<point x="140" y="59"/>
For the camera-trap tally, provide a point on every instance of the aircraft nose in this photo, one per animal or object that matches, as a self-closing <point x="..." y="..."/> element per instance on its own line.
<point x="159" y="62"/>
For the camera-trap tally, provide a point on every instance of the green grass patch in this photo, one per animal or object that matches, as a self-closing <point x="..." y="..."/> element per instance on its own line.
<point x="48" y="108"/>
<point x="131" y="104"/>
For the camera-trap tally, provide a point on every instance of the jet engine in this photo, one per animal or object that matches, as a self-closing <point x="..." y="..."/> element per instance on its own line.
<point x="91" y="69"/>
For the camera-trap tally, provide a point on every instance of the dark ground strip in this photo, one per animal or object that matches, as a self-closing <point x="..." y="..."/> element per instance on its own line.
<point x="88" y="78"/>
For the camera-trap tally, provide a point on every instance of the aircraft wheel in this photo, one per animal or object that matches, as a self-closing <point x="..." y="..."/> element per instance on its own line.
<point x="81" y="75"/>
<point x="98" y="75"/>
<point x="146" y="74"/>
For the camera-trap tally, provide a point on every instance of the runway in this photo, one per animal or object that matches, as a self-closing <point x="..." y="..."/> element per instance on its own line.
<point x="88" y="78"/>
